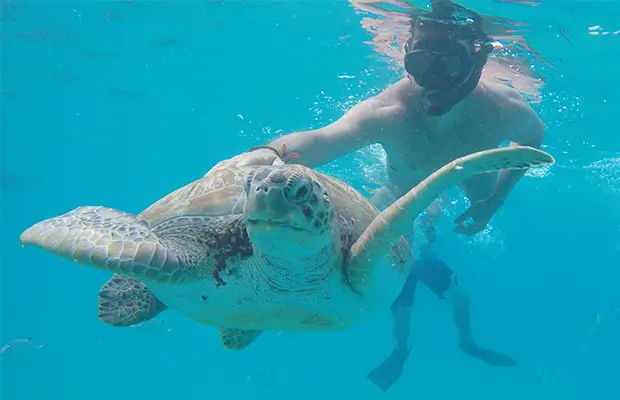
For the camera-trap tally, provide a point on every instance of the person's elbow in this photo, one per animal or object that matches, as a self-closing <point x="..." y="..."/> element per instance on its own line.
<point x="537" y="134"/>
<point x="533" y="135"/>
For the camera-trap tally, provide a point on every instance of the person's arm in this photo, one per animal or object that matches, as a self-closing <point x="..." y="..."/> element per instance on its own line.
<point x="531" y="134"/>
<point x="361" y="126"/>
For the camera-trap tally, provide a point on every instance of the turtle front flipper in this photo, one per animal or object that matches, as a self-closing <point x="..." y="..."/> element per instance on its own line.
<point x="237" y="339"/>
<point x="109" y="240"/>
<point x="125" y="301"/>
<point x="395" y="220"/>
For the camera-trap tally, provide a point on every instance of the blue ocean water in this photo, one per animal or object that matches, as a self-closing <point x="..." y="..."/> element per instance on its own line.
<point x="119" y="103"/>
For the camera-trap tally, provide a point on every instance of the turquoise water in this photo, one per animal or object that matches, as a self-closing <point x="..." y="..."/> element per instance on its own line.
<point x="119" y="103"/>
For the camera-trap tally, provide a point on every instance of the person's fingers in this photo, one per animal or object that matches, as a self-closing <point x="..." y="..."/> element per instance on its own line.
<point x="466" y="215"/>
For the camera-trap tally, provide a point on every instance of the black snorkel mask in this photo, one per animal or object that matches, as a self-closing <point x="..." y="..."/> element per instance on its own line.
<point x="446" y="59"/>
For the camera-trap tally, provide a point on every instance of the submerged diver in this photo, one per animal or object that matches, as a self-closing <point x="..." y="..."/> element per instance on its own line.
<point x="442" y="110"/>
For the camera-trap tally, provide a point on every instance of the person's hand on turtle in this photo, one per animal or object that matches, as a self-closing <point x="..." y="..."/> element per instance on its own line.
<point x="262" y="155"/>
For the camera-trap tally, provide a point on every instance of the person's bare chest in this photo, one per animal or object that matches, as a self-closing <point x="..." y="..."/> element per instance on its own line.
<point x="417" y="149"/>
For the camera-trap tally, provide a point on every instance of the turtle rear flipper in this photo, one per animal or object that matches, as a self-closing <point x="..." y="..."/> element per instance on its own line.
<point x="109" y="240"/>
<point x="125" y="301"/>
<point x="396" y="219"/>
<point x="237" y="339"/>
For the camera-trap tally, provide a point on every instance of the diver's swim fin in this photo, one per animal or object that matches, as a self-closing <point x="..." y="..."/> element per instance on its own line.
<point x="386" y="374"/>
<point x="489" y="356"/>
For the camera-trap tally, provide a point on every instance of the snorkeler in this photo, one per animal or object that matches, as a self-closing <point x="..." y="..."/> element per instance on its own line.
<point x="443" y="109"/>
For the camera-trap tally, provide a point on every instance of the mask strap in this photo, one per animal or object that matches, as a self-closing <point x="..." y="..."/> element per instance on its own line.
<point x="479" y="60"/>
<point x="409" y="45"/>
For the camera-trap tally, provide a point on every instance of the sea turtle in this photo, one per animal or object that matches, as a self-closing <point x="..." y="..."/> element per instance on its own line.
<point x="256" y="248"/>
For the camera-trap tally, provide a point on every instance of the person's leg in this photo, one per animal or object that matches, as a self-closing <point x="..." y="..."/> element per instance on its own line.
<point x="401" y="308"/>
<point x="438" y="277"/>
<point x="401" y="327"/>
<point x="383" y="197"/>
<point x="460" y="315"/>
<point x="428" y="223"/>
<point x="430" y="218"/>
<point x="388" y="372"/>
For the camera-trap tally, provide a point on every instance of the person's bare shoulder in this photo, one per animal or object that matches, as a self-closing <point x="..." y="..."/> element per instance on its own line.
<point x="387" y="107"/>
<point x="394" y="99"/>
<point x="506" y="100"/>
<point x="398" y="92"/>
<point x="520" y="123"/>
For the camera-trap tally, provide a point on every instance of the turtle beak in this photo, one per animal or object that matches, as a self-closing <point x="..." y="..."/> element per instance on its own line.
<point x="266" y="204"/>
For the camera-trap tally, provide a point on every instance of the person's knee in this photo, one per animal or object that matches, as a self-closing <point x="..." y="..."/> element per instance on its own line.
<point x="460" y="299"/>
<point x="456" y="294"/>
<point x="400" y="324"/>
<point x="400" y="312"/>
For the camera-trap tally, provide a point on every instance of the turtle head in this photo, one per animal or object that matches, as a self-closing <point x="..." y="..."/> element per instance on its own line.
<point x="288" y="212"/>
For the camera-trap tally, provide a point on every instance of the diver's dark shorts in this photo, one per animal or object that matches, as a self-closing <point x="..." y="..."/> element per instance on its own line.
<point x="433" y="272"/>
